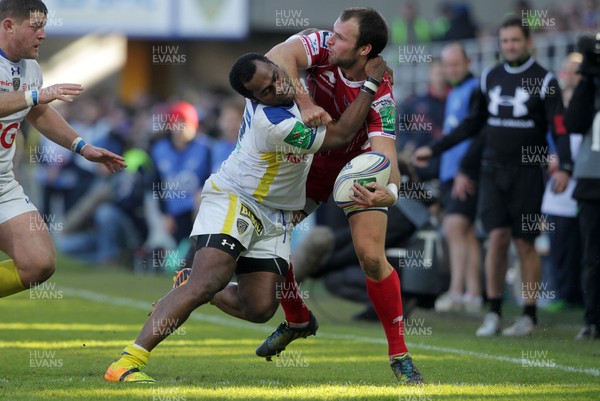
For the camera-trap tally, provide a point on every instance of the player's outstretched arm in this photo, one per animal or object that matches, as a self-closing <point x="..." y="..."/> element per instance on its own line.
<point x="291" y="57"/>
<point x="468" y="127"/>
<point x="51" y="124"/>
<point x="12" y="102"/>
<point x="344" y="130"/>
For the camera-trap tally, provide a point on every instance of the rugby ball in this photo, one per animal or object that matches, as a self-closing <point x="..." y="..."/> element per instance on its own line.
<point x="364" y="168"/>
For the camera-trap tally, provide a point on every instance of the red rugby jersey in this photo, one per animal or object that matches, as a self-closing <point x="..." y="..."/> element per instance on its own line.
<point x="334" y="93"/>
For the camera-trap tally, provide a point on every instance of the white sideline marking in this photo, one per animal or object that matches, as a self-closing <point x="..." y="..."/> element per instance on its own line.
<point x="132" y="303"/>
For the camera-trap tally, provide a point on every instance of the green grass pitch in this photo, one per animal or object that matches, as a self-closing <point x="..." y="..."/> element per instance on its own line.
<point x="57" y="340"/>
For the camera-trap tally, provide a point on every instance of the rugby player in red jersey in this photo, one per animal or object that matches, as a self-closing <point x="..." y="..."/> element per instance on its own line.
<point x="334" y="62"/>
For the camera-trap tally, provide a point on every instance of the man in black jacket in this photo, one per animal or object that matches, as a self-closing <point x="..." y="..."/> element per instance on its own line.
<point x="518" y="102"/>
<point x="583" y="115"/>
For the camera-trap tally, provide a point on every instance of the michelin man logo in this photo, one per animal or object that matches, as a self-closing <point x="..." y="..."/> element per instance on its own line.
<point x="517" y="102"/>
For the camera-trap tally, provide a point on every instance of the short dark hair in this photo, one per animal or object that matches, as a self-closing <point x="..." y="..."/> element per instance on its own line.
<point x="21" y="10"/>
<point x="513" y="20"/>
<point x="242" y="71"/>
<point x="372" y="28"/>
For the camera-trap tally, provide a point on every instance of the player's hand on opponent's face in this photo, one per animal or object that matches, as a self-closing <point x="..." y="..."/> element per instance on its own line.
<point x="313" y="116"/>
<point x="111" y="161"/>
<point x="462" y="187"/>
<point x="373" y="195"/>
<point x="376" y="67"/>
<point x="63" y="92"/>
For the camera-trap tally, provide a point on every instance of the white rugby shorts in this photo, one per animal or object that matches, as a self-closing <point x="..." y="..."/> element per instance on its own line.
<point x="263" y="231"/>
<point x="13" y="200"/>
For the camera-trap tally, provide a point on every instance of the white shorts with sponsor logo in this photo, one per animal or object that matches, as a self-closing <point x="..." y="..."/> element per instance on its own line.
<point x="263" y="231"/>
<point x="13" y="200"/>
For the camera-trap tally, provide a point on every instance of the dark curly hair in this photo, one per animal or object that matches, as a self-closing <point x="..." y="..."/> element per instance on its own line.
<point x="242" y="71"/>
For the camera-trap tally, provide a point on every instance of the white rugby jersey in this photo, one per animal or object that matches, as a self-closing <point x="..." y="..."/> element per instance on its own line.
<point x="23" y="75"/>
<point x="273" y="155"/>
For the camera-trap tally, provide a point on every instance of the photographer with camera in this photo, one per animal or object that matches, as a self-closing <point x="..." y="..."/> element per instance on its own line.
<point x="583" y="115"/>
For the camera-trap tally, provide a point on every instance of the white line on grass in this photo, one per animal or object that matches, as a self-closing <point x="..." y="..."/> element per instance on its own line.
<point x="132" y="303"/>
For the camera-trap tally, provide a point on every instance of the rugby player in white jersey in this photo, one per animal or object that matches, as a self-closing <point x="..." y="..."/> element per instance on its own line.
<point x="22" y="96"/>
<point x="245" y="215"/>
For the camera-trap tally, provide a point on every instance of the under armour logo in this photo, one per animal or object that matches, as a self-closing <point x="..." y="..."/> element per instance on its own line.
<point x="15" y="70"/>
<point x="398" y="319"/>
<point x="224" y="242"/>
<point x="517" y="102"/>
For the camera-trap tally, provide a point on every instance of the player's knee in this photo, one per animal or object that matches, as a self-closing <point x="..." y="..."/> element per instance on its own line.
<point x="371" y="263"/>
<point x="36" y="269"/>
<point x="454" y="228"/>
<point x="46" y="271"/>
<point x="499" y="239"/>
<point x="449" y="232"/>
<point x="524" y="246"/>
<point x="260" y="314"/>
<point x="203" y="291"/>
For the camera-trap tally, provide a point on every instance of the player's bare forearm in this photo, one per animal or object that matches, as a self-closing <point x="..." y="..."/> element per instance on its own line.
<point x="51" y="124"/>
<point x="344" y="130"/>
<point x="12" y="102"/>
<point x="302" y="98"/>
<point x="387" y="146"/>
<point x="354" y="116"/>
<point x="291" y="57"/>
<point x="395" y="176"/>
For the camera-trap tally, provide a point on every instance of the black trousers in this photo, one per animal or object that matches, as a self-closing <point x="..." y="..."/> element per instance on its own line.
<point x="565" y="258"/>
<point x="589" y="224"/>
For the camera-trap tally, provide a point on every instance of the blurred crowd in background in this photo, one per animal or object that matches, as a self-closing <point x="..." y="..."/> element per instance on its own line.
<point x="142" y="217"/>
<point x="171" y="148"/>
<point x="454" y="21"/>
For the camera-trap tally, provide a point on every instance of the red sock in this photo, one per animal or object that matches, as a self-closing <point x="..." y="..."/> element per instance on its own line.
<point x="387" y="301"/>
<point x="293" y="305"/>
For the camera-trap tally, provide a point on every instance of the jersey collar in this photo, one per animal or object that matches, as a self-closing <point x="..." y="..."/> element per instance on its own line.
<point x="351" y="84"/>
<point x="3" y="55"/>
<point x="519" y="69"/>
